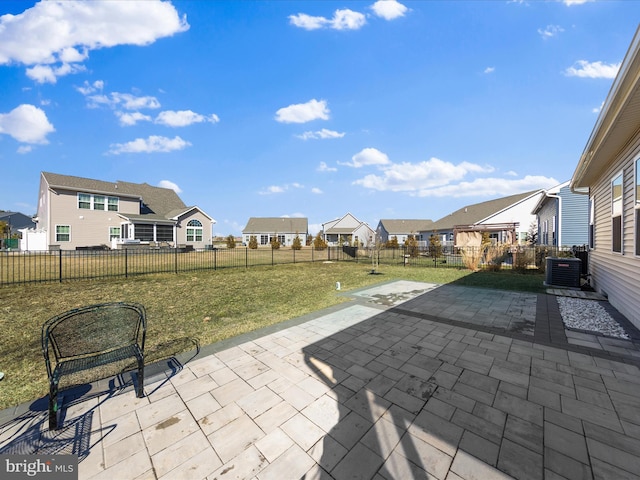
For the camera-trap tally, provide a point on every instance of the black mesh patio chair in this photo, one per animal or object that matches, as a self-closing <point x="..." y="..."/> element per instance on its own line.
<point x="90" y="337"/>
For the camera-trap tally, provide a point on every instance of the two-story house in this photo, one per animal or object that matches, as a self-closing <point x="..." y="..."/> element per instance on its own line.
<point x="78" y="212"/>
<point x="563" y="217"/>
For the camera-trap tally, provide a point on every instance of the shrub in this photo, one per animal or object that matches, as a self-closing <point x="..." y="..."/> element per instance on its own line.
<point x="253" y="242"/>
<point x="392" y="243"/>
<point x="412" y="246"/>
<point x="297" y="243"/>
<point x="435" y="246"/>
<point x="231" y="241"/>
<point x="319" y="243"/>
<point x="495" y="255"/>
<point x="275" y="243"/>
<point x="471" y="257"/>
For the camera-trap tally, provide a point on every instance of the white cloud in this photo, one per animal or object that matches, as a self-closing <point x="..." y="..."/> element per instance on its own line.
<point x="126" y="101"/>
<point x="342" y="20"/>
<point x="489" y="70"/>
<point x="27" y="124"/>
<point x="347" y="20"/>
<point x="183" y="118"/>
<point x="132" y="102"/>
<point x="280" y="188"/>
<point x="389" y="9"/>
<point x="89" y="88"/>
<point x="272" y="189"/>
<point x="316" y="190"/>
<point x="585" y="69"/>
<point x="303" y="112"/>
<point x="48" y="74"/>
<point x="53" y="37"/>
<point x="323" y="167"/>
<point x="414" y="177"/>
<point x="308" y="22"/>
<point x="367" y="156"/>
<point x="575" y="2"/>
<point x="598" y="109"/>
<point x="129" y="119"/>
<point x="550" y="31"/>
<point x="152" y="144"/>
<point x="24" y="149"/>
<point x="321" y="135"/>
<point x="485" y="187"/>
<point x="169" y="184"/>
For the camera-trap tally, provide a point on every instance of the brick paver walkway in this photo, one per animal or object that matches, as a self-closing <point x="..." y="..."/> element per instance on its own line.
<point x="393" y="385"/>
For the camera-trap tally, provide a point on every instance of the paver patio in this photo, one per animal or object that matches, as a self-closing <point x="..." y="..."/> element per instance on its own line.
<point x="408" y="380"/>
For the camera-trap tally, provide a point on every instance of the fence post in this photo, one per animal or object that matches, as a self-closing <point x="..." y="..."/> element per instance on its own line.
<point x="215" y="259"/>
<point x="272" y="249"/>
<point x="60" y="264"/>
<point x="294" y="255"/>
<point x="175" y="261"/>
<point x="126" y="263"/>
<point x="246" y="257"/>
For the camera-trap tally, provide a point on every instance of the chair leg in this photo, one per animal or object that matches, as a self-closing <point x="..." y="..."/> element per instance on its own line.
<point x="53" y="407"/>
<point x="140" y="386"/>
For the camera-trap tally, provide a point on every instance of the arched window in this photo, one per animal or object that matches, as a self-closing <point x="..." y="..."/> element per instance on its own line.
<point x="194" y="231"/>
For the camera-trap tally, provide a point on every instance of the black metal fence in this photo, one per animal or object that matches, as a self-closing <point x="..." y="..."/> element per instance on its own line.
<point x="63" y="265"/>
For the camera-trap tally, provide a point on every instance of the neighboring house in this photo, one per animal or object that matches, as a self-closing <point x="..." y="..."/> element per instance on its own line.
<point x="563" y="217"/>
<point x="285" y="229"/>
<point x="347" y="229"/>
<point x="609" y="168"/>
<point x="80" y="212"/>
<point x="507" y="220"/>
<point x="15" y="222"/>
<point x="402" y="229"/>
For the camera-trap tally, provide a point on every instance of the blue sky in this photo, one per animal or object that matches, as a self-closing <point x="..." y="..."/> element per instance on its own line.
<point x="290" y="108"/>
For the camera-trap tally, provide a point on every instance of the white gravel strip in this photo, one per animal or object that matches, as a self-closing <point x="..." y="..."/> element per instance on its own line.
<point x="589" y="315"/>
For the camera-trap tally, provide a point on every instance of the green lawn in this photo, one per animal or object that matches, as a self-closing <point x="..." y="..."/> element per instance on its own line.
<point x="199" y="308"/>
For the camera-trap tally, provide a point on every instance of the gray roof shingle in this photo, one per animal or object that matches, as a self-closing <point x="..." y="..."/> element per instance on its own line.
<point x="276" y="225"/>
<point x="472" y="214"/>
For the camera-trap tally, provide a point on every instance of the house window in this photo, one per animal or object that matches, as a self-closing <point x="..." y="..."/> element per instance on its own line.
<point x="98" y="202"/>
<point x="112" y="204"/>
<point x="592" y="228"/>
<point x="281" y="239"/>
<point x="264" y="239"/>
<point x="114" y="232"/>
<point x="84" y="201"/>
<point x="194" y="231"/>
<point x="616" y="214"/>
<point x="63" y="233"/>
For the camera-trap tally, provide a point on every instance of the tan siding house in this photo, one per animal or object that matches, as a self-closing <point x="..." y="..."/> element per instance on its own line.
<point x="284" y="229"/>
<point x="348" y="229"/>
<point x="77" y="212"/>
<point x="610" y="168"/>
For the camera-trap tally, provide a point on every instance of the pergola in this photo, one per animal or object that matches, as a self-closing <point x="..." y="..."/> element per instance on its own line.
<point x="471" y="235"/>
